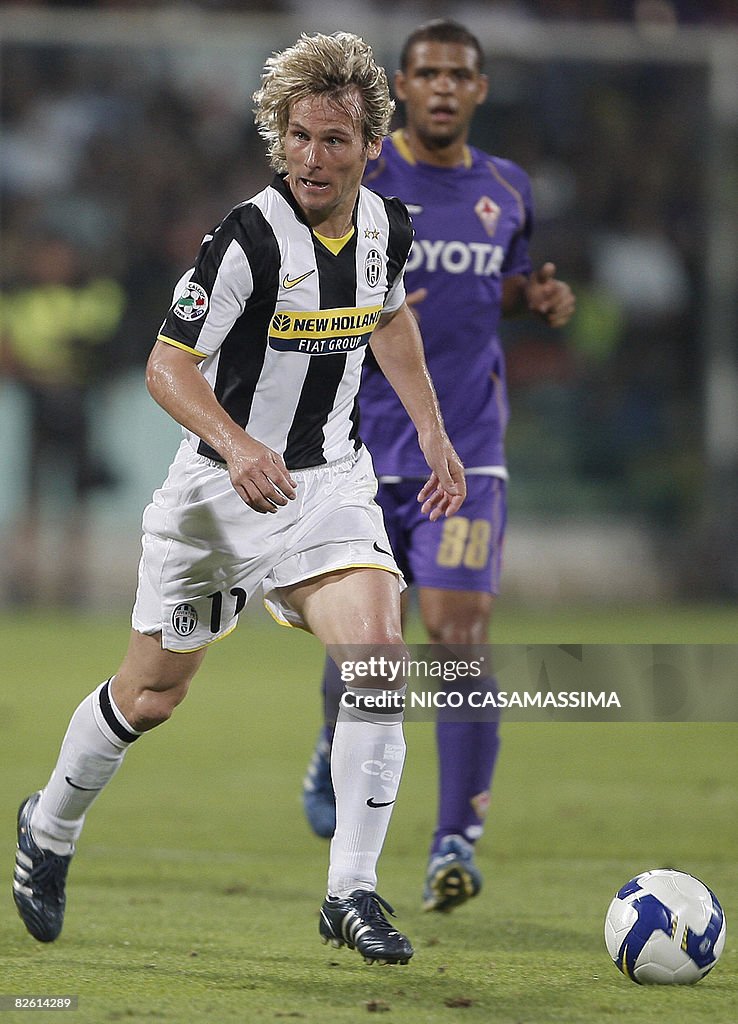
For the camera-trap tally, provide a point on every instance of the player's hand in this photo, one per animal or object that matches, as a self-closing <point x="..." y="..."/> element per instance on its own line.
<point x="550" y="298"/>
<point x="260" y="477"/>
<point x="445" y="490"/>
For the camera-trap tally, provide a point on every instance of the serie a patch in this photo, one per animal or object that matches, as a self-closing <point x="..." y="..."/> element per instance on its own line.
<point x="192" y="303"/>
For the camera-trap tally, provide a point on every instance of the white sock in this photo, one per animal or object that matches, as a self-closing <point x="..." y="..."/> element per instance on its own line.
<point x="366" y="765"/>
<point x="91" y="753"/>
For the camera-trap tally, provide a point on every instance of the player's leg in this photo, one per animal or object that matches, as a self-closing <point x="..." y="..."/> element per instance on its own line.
<point x="318" y="798"/>
<point x="467" y="752"/>
<point x="178" y="611"/>
<point x="456" y="564"/>
<point x="346" y="609"/>
<point x="148" y="686"/>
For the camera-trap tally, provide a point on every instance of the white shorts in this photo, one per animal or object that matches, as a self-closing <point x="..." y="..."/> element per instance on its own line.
<point x="205" y="551"/>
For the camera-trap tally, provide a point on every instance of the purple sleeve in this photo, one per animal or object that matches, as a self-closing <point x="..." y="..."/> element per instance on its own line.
<point x="517" y="259"/>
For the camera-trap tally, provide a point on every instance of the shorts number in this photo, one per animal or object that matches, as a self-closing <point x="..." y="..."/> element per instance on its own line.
<point x="464" y="542"/>
<point x="216" y="606"/>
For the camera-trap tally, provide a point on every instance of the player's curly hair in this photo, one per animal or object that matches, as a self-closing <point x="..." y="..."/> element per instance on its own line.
<point x="441" y="30"/>
<point x="333" y="66"/>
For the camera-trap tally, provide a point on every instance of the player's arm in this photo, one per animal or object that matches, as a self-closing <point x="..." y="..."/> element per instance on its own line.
<point x="258" y="474"/>
<point x="398" y="349"/>
<point x="540" y="292"/>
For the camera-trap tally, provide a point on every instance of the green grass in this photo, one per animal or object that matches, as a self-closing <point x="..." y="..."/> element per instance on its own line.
<point x="194" y="894"/>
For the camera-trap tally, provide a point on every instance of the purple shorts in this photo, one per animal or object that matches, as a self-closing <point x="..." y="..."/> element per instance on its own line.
<point x="460" y="553"/>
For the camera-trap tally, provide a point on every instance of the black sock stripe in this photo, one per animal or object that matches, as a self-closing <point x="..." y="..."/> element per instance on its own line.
<point x="110" y="717"/>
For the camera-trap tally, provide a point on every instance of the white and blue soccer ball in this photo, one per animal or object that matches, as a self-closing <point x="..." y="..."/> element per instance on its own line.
<point x="665" y="927"/>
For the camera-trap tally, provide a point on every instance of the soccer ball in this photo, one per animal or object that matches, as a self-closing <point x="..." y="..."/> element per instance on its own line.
<point x="665" y="927"/>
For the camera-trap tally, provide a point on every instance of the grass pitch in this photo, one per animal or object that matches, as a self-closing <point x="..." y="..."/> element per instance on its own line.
<point x="195" y="891"/>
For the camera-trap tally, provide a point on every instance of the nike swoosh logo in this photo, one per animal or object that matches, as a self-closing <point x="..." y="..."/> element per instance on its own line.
<point x="381" y="550"/>
<point x="289" y="282"/>
<point x="371" y="803"/>
<point x="85" y="789"/>
<point x="412" y="208"/>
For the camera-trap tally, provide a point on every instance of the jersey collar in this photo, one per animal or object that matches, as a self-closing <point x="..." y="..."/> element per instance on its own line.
<point x="279" y="184"/>
<point x="402" y="147"/>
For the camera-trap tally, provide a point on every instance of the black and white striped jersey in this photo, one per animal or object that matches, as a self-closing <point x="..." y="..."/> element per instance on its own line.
<point x="283" y="322"/>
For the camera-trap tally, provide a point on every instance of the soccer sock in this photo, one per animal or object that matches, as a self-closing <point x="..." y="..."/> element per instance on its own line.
<point x="91" y="753"/>
<point x="332" y="690"/>
<point x="366" y="764"/>
<point x="467" y="752"/>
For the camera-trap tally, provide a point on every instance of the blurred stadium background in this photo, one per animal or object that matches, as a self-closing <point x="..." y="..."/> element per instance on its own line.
<point x="126" y="133"/>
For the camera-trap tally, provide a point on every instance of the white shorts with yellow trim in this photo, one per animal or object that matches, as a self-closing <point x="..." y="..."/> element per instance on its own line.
<point x="205" y="552"/>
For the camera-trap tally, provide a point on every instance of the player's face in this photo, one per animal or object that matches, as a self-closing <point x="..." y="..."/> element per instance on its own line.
<point x="441" y="88"/>
<point x="326" y="157"/>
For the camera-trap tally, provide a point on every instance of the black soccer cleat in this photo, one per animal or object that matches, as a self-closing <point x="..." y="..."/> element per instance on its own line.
<point x="38" y="880"/>
<point x="357" y="921"/>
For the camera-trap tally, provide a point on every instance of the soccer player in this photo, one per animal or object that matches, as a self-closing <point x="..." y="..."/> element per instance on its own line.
<point x="259" y="359"/>
<point x="469" y="266"/>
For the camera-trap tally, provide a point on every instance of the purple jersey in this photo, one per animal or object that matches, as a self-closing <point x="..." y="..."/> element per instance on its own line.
<point x="472" y="225"/>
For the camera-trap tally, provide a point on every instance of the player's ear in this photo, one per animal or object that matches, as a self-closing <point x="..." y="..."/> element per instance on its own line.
<point x="400" y="91"/>
<point x="374" y="149"/>
<point x="482" y="89"/>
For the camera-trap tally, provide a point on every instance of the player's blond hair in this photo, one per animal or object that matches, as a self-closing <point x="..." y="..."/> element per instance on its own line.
<point x="334" y="66"/>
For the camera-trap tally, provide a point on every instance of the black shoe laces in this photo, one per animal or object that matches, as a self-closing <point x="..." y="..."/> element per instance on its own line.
<point x="370" y="905"/>
<point x="49" y="876"/>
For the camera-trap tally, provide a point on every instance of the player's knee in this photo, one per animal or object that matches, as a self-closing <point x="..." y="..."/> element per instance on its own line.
<point x="384" y="639"/>
<point x="376" y="634"/>
<point x="153" y="709"/>
<point x="145" y="708"/>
